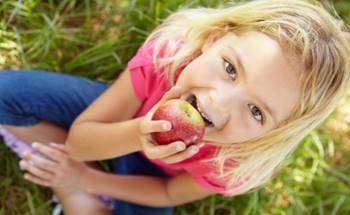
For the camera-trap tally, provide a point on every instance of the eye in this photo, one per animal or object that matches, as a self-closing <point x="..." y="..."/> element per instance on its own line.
<point x="230" y="69"/>
<point x="257" y="114"/>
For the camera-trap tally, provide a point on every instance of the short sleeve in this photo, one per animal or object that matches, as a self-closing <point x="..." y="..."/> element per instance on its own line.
<point x="140" y="68"/>
<point x="144" y="76"/>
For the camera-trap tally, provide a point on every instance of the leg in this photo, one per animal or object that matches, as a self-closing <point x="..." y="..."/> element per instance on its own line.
<point x="137" y="164"/>
<point x="75" y="202"/>
<point x="44" y="132"/>
<point x="14" y="111"/>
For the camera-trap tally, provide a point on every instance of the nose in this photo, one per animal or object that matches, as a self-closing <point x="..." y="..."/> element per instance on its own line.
<point x="220" y="104"/>
<point x="218" y="99"/>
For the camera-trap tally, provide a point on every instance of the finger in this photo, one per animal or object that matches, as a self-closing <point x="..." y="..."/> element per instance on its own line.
<point x="155" y="126"/>
<point x="189" y="152"/>
<point x="40" y="162"/>
<point x="50" y="152"/>
<point x="161" y="151"/>
<point x="61" y="147"/>
<point x="37" y="180"/>
<point x="35" y="170"/>
<point x="173" y="93"/>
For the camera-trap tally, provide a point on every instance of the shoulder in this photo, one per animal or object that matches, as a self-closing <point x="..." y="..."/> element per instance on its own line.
<point x="146" y="77"/>
<point x="150" y="77"/>
<point x="145" y="55"/>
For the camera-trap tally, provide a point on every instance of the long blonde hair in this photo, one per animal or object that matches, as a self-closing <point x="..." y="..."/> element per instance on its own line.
<point x="303" y="28"/>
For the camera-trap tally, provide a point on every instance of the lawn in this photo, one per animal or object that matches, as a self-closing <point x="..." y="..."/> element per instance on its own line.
<point x="95" y="39"/>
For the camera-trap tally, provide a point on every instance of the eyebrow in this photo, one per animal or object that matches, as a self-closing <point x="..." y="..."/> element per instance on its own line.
<point x="241" y="67"/>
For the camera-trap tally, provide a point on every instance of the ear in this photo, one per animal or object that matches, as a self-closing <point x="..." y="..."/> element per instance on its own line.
<point x="211" y="40"/>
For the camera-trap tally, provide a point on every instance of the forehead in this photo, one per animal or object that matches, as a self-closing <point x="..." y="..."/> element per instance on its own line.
<point x="271" y="74"/>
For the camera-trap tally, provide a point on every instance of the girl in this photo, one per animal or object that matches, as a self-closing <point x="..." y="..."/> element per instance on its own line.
<point x="264" y="74"/>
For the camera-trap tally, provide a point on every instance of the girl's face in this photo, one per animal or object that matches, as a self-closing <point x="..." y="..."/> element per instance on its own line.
<point x="244" y="84"/>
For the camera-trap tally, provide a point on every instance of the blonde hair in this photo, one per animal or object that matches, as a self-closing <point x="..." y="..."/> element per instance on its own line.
<point x="303" y="28"/>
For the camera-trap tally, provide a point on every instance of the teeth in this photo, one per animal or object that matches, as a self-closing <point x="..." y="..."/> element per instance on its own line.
<point x="193" y="100"/>
<point x="205" y="116"/>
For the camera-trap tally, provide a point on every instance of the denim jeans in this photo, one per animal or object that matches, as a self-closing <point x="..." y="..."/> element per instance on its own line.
<point x="27" y="97"/>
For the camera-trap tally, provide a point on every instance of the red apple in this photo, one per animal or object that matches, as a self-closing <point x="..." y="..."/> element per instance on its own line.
<point x="187" y="124"/>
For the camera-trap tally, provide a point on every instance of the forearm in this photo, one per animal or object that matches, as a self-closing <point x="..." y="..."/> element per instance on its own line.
<point x="98" y="141"/>
<point x="142" y="190"/>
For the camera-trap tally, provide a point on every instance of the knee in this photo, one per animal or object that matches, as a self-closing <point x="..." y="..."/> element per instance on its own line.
<point x="13" y="88"/>
<point x="17" y="98"/>
<point x="9" y="86"/>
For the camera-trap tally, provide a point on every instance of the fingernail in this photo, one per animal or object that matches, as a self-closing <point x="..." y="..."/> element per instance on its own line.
<point x="21" y="164"/>
<point x="180" y="147"/>
<point x="35" y="144"/>
<point x="194" y="150"/>
<point x="166" y="126"/>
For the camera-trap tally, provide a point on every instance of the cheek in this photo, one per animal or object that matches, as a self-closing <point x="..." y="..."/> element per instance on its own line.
<point x="236" y="128"/>
<point x="240" y="128"/>
<point x="199" y="71"/>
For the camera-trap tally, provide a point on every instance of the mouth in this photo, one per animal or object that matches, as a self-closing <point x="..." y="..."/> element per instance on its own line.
<point x="192" y="99"/>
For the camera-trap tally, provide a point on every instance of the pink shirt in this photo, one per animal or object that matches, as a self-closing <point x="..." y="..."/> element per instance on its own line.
<point x="150" y="86"/>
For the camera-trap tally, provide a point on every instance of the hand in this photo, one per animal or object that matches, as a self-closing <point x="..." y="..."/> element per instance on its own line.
<point x="171" y="153"/>
<point x="53" y="167"/>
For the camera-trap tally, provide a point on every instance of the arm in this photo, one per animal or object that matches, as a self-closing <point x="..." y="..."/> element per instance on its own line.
<point x="95" y="136"/>
<point x="103" y="129"/>
<point x="158" y="192"/>
<point x="57" y="169"/>
<point x="98" y="140"/>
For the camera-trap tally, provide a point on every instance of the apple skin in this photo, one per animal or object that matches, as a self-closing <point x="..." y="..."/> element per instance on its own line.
<point x="187" y="124"/>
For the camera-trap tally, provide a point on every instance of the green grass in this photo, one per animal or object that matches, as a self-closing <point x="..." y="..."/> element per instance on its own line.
<point x="95" y="39"/>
